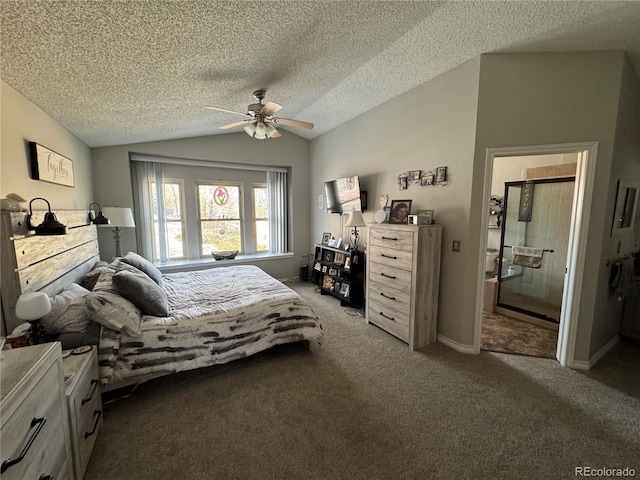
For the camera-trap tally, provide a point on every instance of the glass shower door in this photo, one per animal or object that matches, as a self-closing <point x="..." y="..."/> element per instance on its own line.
<point x="537" y="214"/>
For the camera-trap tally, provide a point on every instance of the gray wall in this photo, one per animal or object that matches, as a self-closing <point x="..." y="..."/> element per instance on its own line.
<point x="22" y="122"/>
<point x="553" y="98"/>
<point x="432" y="125"/>
<point x="112" y="180"/>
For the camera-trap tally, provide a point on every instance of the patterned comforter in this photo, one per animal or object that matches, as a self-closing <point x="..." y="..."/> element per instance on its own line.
<point x="216" y="316"/>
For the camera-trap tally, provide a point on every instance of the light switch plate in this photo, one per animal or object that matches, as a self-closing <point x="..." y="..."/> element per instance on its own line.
<point x="456" y="246"/>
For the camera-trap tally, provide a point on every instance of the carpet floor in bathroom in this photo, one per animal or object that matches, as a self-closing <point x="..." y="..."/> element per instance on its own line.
<point x="508" y="335"/>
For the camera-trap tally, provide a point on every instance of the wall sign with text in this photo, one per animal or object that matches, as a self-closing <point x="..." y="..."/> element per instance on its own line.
<point x="49" y="166"/>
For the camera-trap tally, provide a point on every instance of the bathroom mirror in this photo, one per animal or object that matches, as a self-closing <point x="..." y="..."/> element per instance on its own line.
<point x="626" y="207"/>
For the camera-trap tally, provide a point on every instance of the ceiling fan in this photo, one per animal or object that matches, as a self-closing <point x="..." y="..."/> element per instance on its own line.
<point x="259" y="121"/>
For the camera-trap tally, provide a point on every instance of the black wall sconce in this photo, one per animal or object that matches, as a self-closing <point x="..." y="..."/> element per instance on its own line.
<point x="100" y="218"/>
<point x="50" y="224"/>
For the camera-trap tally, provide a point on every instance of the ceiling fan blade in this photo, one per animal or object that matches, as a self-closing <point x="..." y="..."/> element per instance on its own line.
<point x="225" y="110"/>
<point x="234" y="124"/>
<point x="270" y="108"/>
<point x="293" y="123"/>
<point x="276" y="134"/>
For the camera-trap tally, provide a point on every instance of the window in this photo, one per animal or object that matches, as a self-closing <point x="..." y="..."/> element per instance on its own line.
<point x="220" y="219"/>
<point x="261" y="217"/>
<point x="174" y="226"/>
<point x="185" y="209"/>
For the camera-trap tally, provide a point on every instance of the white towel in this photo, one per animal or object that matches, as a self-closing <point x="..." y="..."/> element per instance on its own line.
<point x="626" y="285"/>
<point x="527" y="251"/>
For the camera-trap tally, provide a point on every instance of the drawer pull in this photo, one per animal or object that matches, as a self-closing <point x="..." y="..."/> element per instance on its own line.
<point x="395" y="239"/>
<point x="44" y="476"/>
<point x="387" y="296"/>
<point x="97" y="414"/>
<point x="94" y="383"/>
<point x="388" y="318"/>
<point x="389" y="256"/>
<point x="10" y="462"/>
<point x="388" y="276"/>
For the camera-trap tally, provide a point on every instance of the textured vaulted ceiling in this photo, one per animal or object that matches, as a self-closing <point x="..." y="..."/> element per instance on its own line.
<point x="117" y="72"/>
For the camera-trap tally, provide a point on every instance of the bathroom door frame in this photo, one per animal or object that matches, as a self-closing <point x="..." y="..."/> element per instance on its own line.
<point x="576" y="253"/>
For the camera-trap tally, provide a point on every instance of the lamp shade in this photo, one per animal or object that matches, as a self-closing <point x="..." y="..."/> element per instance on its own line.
<point x="355" y="219"/>
<point x="33" y="305"/>
<point x="119" y="217"/>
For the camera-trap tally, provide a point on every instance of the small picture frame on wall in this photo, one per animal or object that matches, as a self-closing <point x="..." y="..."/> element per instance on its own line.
<point x="427" y="180"/>
<point x="49" y="166"/>
<point x="441" y="175"/>
<point x="414" y="175"/>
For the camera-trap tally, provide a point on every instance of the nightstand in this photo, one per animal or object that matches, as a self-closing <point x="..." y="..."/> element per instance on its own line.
<point x="82" y="388"/>
<point x="35" y="439"/>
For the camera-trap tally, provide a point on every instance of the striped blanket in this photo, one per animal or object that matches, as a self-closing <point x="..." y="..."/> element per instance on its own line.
<point x="216" y="316"/>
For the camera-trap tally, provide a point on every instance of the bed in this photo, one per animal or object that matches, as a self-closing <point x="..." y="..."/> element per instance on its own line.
<point x="148" y="324"/>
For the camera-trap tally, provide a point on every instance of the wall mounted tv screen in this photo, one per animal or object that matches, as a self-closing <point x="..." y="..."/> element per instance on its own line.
<point x="344" y="195"/>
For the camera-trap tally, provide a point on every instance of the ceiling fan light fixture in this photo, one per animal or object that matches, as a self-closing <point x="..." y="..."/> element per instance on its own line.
<point x="250" y="129"/>
<point x="271" y="130"/>
<point x="261" y="130"/>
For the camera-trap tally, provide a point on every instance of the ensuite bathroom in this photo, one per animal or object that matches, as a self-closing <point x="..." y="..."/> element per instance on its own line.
<point x="527" y="244"/>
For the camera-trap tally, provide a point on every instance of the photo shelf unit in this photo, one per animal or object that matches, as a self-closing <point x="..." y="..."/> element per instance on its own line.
<point x="340" y="273"/>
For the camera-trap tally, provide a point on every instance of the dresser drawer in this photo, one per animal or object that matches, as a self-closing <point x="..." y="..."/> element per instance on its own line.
<point x="397" y="300"/>
<point x="401" y="240"/>
<point x="389" y="275"/>
<point x="390" y="256"/>
<point x="39" y="419"/>
<point x="391" y="320"/>
<point x="85" y="406"/>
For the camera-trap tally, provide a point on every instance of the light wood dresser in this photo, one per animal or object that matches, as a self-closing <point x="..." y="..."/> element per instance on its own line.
<point x="34" y="424"/>
<point x="403" y="276"/>
<point x="85" y="406"/>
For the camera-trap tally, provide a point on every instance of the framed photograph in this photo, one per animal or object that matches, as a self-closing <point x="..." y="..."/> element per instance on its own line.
<point x="427" y="215"/>
<point x="344" y="289"/>
<point x="325" y="238"/>
<point x="333" y="271"/>
<point x="400" y="210"/>
<point x="328" y="256"/>
<point x="402" y="182"/>
<point x="427" y="179"/>
<point x="328" y="282"/>
<point x="49" y="166"/>
<point x="324" y="269"/>
<point x="338" y="242"/>
<point x="414" y="175"/>
<point x="441" y="175"/>
<point x="317" y="266"/>
<point x="387" y="214"/>
<point x="346" y="247"/>
<point x="339" y="258"/>
<point x="347" y="263"/>
<point x="337" y="286"/>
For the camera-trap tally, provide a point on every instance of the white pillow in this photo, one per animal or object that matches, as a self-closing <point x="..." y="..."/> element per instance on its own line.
<point x="68" y="314"/>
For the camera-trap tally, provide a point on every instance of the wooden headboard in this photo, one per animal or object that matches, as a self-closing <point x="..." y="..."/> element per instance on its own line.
<point x="45" y="263"/>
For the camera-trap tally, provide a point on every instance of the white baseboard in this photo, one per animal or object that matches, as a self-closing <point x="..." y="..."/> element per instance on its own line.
<point x="455" y="345"/>
<point x="582" y="365"/>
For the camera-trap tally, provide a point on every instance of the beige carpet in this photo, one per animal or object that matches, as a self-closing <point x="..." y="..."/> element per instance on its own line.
<point x="363" y="406"/>
<point x="508" y="335"/>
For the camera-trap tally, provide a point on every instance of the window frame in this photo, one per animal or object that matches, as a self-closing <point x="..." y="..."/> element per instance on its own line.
<point x="262" y="186"/>
<point x="183" y="219"/>
<point x="220" y="183"/>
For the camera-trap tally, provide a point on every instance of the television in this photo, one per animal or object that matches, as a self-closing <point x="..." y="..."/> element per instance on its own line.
<point x="344" y="195"/>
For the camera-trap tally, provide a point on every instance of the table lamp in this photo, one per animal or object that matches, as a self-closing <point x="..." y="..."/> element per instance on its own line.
<point x="355" y="221"/>
<point x="119" y="218"/>
<point x="32" y="307"/>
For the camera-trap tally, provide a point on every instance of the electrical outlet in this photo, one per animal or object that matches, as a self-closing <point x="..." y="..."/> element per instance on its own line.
<point x="456" y="246"/>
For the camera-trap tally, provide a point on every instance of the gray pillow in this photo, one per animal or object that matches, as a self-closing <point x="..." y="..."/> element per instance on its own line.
<point x="106" y="307"/>
<point x="67" y="313"/>
<point x="143" y="292"/>
<point x="143" y="264"/>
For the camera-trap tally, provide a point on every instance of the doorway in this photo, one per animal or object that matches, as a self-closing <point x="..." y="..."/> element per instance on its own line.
<point x="576" y="257"/>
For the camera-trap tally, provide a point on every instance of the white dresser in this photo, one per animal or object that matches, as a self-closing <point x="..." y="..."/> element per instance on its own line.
<point x="403" y="276"/>
<point x="34" y="431"/>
